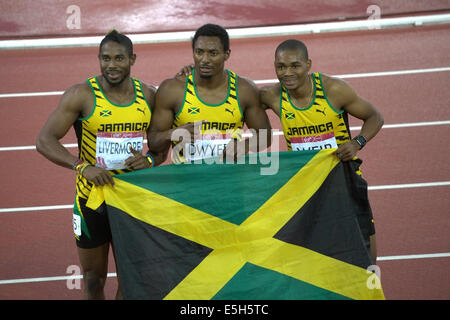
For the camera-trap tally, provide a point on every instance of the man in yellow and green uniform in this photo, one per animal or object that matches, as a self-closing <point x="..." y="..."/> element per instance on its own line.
<point x="313" y="109"/>
<point x="223" y="101"/>
<point x="111" y="116"/>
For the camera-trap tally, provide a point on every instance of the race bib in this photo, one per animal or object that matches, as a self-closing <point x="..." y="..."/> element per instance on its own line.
<point x="113" y="148"/>
<point x="76" y="225"/>
<point x="324" y="141"/>
<point x="207" y="147"/>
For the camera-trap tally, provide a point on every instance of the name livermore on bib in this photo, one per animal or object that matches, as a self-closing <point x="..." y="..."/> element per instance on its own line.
<point x="113" y="148"/>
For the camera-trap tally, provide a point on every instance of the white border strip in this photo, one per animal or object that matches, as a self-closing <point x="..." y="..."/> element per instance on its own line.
<point x="113" y="274"/>
<point x="374" y="188"/>
<point x="236" y="33"/>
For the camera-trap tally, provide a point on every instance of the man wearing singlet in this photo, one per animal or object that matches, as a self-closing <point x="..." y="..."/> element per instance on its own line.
<point x="218" y="97"/>
<point x="313" y="109"/>
<point x="111" y="116"/>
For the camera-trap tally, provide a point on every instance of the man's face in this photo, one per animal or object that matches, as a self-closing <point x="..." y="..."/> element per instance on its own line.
<point x="291" y="68"/>
<point x="115" y="62"/>
<point x="209" y="56"/>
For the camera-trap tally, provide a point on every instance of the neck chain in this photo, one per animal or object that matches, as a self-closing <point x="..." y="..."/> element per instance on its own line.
<point x="311" y="95"/>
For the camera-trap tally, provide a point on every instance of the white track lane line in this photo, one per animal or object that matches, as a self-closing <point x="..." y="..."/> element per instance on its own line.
<point x="267" y="81"/>
<point x="370" y="188"/>
<point x="113" y="274"/>
<point x="275" y="133"/>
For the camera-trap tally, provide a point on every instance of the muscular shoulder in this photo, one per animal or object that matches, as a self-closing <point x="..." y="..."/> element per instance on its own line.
<point x="270" y="96"/>
<point x="247" y="90"/>
<point x="170" y="93"/>
<point x="78" y="97"/>
<point x="338" y="91"/>
<point x="248" y="93"/>
<point x="79" y="90"/>
<point x="148" y="89"/>
<point x="149" y="93"/>
<point x="245" y="85"/>
<point x="172" y="84"/>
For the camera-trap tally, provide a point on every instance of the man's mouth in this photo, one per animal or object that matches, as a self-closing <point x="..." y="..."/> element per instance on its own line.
<point x="113" y="75"/>
<point x="289" y="81"/>
<point x="205" y="69"/>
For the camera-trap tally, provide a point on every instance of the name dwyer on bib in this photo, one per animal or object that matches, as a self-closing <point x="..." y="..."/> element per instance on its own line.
<point x="202" y="149"/>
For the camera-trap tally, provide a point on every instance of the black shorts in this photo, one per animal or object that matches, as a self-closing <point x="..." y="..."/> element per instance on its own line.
<point x="360" y="194"/>
<point x="91" y="227"/>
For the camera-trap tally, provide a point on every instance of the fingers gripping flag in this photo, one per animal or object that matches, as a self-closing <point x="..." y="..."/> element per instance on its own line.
<point x="226" y="232"/>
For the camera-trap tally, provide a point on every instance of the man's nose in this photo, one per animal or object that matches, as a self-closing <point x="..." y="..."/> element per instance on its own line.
<point x="288" y="71"/>
<point x="205" y="58"/>
<point x="112" y="63"/>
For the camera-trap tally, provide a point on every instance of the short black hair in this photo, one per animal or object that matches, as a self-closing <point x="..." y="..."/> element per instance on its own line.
<point x="293" y="44"/>
<point x="213" y="30"/>
<point x="120" y="38"/>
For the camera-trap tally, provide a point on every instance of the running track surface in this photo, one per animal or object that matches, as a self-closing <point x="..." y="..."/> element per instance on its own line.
<point x="409" y="221"/>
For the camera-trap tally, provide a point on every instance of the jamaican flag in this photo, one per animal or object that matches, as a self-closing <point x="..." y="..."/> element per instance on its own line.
<point x="225" y="231"/>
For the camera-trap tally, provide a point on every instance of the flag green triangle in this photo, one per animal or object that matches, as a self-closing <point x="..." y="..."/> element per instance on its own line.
<point x="198" y="186"/>
<point x="257" y="283"/>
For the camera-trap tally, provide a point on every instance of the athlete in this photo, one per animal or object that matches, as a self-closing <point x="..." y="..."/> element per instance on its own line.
<point x="313" y="109"/>
<point x="216" y="99"/>
<point x="111" y="116"/>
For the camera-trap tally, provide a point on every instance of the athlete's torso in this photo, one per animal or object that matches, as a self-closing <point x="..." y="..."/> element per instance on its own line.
<point x="224" y="121"/>
<point x="104" y="136"/>
<point x="318" y="126"/>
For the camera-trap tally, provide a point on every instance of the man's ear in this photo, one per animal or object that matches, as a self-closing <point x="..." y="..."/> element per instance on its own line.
<point x="309" y="64"/>
<point x="132" y="59"/>
<point x="227" y="54"/>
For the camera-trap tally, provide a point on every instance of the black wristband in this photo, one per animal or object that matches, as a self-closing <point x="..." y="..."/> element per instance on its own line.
<point x="360" y="140"/>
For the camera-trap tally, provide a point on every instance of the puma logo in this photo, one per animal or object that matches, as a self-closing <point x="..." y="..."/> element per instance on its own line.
<point x="143" y="111"/>
<point x="321" y="111"/>
<point x="228" y="110"/>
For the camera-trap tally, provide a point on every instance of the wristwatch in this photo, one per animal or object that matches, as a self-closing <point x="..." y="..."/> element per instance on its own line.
<point x="361" y="141"/>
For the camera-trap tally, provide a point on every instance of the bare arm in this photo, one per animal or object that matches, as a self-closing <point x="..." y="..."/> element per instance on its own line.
<point x="160" y="130"/>
<point x="270" y="98"/>
<point x="75" y="102"/>
<point x="344" y="97"/>
<point x="255" y="118"/>
<point x="58" y="124"/>
<point x="138" y="160"/>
